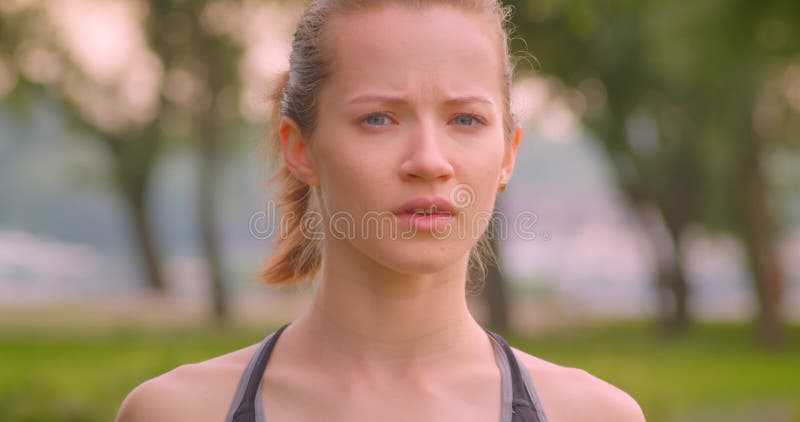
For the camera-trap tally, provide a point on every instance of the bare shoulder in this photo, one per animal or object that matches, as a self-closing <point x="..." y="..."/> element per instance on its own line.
<point x="197" y="391"/>
<point x="572" y="394"/>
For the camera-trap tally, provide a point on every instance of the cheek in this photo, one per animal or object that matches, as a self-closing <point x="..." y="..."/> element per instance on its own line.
<point x="485" y="186"/>
<point x="481" y="172"/>
<point x="351" y="179"/>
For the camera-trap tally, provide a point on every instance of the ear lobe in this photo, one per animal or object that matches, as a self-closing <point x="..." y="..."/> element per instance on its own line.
<point x="296" y="153"/>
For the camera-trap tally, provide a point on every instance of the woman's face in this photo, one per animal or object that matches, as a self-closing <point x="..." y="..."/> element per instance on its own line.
<point x="413" y="109"/>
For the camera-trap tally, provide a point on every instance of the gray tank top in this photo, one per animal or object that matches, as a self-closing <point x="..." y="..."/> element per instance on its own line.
<point x="520" y="402"/>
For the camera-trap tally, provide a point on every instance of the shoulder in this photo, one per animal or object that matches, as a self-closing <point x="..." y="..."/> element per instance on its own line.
<point x="209" y="386"/>
<point x="572" y="394"/>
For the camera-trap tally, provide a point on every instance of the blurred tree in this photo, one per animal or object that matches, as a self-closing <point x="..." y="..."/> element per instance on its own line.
<point x="599" y="49"/>
<point x="176" y="79"/>
<point x="202" y="88"/>
<point x="671" y="89"/>
<point x="39" y="54"/>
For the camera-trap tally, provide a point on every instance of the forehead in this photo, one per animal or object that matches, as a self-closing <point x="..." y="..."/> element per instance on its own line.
<point x="435" y="49"/>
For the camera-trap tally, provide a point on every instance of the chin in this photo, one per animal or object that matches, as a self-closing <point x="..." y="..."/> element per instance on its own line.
<point x="415" y="257"/>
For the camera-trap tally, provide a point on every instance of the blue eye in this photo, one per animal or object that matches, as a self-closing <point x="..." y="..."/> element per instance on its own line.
<point x="376" y="120"/>
<point x="465" y="120"/>
<point x="468" y="120"/>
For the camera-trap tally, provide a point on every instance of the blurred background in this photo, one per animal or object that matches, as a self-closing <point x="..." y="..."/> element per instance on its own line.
<point x="660" y="163"/>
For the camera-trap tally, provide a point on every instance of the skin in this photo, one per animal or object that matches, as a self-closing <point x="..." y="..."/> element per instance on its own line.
<point x="388" y="325"/>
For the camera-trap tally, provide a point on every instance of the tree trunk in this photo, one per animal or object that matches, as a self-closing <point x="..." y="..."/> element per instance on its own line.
<point x="135" y="197"/>
<point x="675" y="279"/>
<point x="671" y="285"/>
<point x="496" y="300"/>
<point x="207" y="208"/>
<point x="650" y="209"/>
<point x="494" y="289"/>
<point x="759" y="241"/>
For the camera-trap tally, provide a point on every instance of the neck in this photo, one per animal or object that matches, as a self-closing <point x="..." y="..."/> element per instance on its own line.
<point x="370" y="319"/>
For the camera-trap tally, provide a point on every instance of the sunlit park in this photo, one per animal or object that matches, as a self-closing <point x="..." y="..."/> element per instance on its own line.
<point x="650" y="233"/>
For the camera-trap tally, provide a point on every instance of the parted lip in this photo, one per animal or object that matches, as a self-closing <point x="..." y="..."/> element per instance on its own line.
<point x="441" y="204"/>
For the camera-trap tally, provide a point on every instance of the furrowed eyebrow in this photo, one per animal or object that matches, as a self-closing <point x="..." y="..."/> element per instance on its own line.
<point x="370" y="98"/>
<point x="470" y="99"/>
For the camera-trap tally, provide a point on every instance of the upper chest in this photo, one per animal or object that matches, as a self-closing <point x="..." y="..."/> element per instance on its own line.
<point x="473" y="395"/>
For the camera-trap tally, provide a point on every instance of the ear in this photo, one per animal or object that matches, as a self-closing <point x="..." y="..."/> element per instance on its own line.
<point x="509" y="156"/>
<point x="296" y="153"/>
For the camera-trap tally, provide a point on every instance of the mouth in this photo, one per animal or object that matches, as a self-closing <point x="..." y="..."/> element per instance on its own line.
<point x="426" y="214"/>
<point x="426" y="206"/>
<point x="421" y="212"/>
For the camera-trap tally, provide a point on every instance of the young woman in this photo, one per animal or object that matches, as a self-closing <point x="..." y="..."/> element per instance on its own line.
<point x="392" y="126"/>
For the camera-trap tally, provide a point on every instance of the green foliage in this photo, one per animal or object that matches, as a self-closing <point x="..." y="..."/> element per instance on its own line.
<point x="694" y="99"/>
<point x="697" y="70"/>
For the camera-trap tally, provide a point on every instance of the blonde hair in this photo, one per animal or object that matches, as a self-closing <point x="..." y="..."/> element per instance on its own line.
<point x="297" y="256"/>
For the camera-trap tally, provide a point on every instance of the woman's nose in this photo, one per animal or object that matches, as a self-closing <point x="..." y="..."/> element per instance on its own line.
<point x="426" y="159"/>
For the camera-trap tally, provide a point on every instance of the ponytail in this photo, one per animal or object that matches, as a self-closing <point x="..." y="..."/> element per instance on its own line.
<point x="296" y="255"/>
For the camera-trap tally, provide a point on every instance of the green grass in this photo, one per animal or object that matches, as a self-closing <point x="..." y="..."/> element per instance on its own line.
<point x="714" y="373"/>
<point x="78" y="376"/>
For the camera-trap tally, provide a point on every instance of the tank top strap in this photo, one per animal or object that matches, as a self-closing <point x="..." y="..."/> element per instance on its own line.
<point x="525" y="403"/>
<point x="243" y="405"/>
<point x="526" y="406"/>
